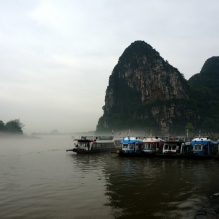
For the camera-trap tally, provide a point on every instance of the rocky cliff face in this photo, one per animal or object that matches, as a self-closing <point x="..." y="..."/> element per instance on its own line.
<point x="144" y="71"/>
<point x="145" y="91"/>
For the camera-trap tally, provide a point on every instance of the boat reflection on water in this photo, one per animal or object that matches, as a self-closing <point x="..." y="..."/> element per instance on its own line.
<point x="159" y="188"/>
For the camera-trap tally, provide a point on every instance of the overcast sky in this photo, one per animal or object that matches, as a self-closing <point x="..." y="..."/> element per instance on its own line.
<point x="56" y="56"/>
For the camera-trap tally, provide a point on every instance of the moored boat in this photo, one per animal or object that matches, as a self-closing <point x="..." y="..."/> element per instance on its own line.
<point x="152" y="146"/>
<point x="94" y="144"/>
<point x="172" y="148"/>
<point x="131" y="146"/>
<point x="202" y="148"/>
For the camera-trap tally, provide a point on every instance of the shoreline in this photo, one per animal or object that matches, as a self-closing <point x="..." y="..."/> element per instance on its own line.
<point x="210" y="209"/>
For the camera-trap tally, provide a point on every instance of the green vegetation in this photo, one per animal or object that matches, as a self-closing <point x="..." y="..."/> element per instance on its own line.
<point x="13" y="126"/>
<point x="189" y="128"/>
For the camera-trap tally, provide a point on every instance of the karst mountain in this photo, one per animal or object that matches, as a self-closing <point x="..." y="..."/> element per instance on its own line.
<point x="146" y="92"/>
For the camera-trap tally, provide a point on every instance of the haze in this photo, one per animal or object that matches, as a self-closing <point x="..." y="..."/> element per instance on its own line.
<point x="57" y="56"/>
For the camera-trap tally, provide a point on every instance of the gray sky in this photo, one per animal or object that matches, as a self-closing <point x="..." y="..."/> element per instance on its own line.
<point x="56" y="56"/>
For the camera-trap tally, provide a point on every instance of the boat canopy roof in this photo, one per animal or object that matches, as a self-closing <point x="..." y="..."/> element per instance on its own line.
<point x="201" y="141"/>
<point x="84" y="140"/>
<point x="110" y="137"/>
<point x="151" y="140"/>
<point x="131" y="140"/>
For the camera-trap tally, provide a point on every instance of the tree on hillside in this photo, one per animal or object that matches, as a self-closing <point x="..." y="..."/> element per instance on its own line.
<point x="189" y="128"/>
<point x="14" y="126"/>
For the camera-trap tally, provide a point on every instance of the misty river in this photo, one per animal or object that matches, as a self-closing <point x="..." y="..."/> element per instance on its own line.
<point x="39" y="179"/>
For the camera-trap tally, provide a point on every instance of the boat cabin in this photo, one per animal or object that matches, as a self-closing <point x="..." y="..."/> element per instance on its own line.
<point x="172" y="146"/>
<point x="203" y="146"/>
<point x="94" y="143"/>
<point x="131" y="145"/>
<point x="84" y="144"/>
<point x="152" y="145"/>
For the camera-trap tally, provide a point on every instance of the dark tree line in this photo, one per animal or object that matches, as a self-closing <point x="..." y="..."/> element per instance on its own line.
<point x="13" y="126"/>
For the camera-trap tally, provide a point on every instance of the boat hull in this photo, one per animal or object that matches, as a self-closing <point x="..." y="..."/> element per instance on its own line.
<point x="133" y="154"/>
<point x="79" y="151"/>
<point x="171" y="156"/>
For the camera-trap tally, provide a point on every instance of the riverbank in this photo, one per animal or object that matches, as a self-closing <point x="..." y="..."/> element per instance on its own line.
<point x="210" y="210"/>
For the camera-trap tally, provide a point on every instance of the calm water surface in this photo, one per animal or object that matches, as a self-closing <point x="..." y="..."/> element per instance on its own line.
<point x="39" y="179"/>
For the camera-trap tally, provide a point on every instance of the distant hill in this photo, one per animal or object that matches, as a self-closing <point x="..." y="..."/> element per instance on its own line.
<point x="54" y="132"/>
<point x="146" y="92"/>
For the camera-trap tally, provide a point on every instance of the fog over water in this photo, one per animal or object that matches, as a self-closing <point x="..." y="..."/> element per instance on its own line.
<point x="39" y="179"/>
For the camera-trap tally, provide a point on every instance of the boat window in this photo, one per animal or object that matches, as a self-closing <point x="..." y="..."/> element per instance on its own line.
<point x="149" y="146"/>
<point x="94" y="146"/>
<point x="177" y="147"/>
<point x="174" y="147"/>
<point x="131" y="146"/>
<point x="125" y="145"/>
<point x="81" y="144"/>
<point x="198" y="147"/>
<point x="117" y="142"/>
<point x="166" y="147"/>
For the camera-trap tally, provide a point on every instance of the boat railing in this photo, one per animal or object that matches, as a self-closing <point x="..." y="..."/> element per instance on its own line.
<point x="95" y="137"/>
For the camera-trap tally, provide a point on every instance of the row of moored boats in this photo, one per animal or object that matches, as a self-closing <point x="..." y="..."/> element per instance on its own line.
<point x="168" y="147"/>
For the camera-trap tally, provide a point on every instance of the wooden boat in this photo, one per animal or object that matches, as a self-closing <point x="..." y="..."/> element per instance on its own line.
<point x="94" y="144"/>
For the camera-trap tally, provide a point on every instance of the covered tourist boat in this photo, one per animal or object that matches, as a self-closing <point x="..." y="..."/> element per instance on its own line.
<point x="93" y="144"/>
<point x="131" y="146"/>
<point x="152" y="146"/>
<point x="172" y="147"/>
<point x="203" y="148"/>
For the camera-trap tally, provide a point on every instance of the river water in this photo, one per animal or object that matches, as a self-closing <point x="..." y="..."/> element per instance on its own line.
<point x="39" y="179"/>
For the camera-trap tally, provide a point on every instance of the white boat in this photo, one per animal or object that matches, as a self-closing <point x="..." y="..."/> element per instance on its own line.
<point x="152" y="146"/>
<point x="172" y="147"/>
<point x="93" y="144"/>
